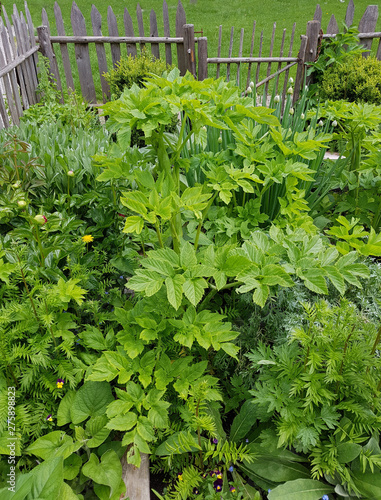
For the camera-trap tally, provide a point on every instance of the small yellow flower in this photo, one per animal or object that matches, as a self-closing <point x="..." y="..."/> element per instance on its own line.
<point x="87" y="238"/>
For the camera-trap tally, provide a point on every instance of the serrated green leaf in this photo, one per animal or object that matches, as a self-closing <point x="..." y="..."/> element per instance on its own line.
<point x="315" y="281"/>
<point x="123" y="422"/>
<point x="175" y="290"/>
<point x="133" y="224"/>
<point x="336" y="278"/>
<point x="194" y="290"/>
<point x="187" y="255"/>
<point x="261" y="294"/>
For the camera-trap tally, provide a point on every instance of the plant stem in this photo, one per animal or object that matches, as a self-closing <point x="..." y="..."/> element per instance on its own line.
<point x="15" y="158"/>
<point x="204" y="214"/>
<point x="38" y="240"/>
<point x="158" y="234"/>
<point x="175" y="237"/>
<point x="143" y="248"/>
<point x="376" y="342"/>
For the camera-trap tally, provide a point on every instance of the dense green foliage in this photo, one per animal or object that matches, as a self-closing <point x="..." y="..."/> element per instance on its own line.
<point x="357" y="79"/>
<point x="166" y="300"/>
<point x="132" y="70"/>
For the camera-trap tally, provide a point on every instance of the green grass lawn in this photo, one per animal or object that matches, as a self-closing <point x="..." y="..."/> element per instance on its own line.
<point x="208" y="15"/>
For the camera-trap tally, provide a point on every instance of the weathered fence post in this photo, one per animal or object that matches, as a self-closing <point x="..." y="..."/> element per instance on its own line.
<point x="136" y="479"/>
<point x="82" y="55"/>
<point x="312" y="33"/>
<point x="367" y="24"/>
<point x="202" y="49"/>
<point x="46" y="50"/>
<point x="189" y="49"/>
<point x="299" y="79"/>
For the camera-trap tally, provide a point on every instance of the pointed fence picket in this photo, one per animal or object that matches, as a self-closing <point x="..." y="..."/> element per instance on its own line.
<point x="366" y="26"/>
<point x="82" y="59"/>
<point x="18" y="71"/>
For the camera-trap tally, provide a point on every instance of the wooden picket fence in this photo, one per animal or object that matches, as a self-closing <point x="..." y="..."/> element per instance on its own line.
<point x="18" y="66"/>
<point x="73" y="64"/>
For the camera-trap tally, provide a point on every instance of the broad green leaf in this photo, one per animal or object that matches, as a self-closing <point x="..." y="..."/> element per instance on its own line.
<point x="158" y="414"/>
<point x="275" y="275"/>
<point x="6" y="270"/>
<point x="146" y="281"/>
<point x="220" y="279"/>
<point x="347" y="452"/>
<point x="72" y="466"/>
<point x="63" y="412"/>
<point x="278" y="470"/>
<point x="101" y="371"/>
<point x="336" y="278"/>
<point x="261" y="294"/>
<point x="93" y="337"/>
<point x="235" y="264"/>
<point x="66" y="493"/>
<point x="54" y="444"/>
<point x="230" y="349"/>
<point x="124" y="137"/>
<point x="135" y="201"/>
<point x="249" y="492"/>
<point x="91" y="399"/>
<point x="107" y="472"/>
<point x="159" y="265"/>
<point x="306" y="489"/>
<point x="133" y="224"/>
<point x="96" y="430"/>
<point x="47" y="480"/>
<point x="175" y="290"/>
<point x="369" y="484"/>
<point x="123" y="422"/>
<point x="130" y="343"/>
<point x="187" y="255"/>
<point x="194" y="289"/>
<point x="315" y="281"/>
<point x="243" y="422"/>
<point x="145" y="429"/>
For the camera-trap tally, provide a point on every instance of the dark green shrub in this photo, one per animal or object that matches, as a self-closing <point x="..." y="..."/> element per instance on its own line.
<point x="356" y="79"/>
<point x="132" y="70"/>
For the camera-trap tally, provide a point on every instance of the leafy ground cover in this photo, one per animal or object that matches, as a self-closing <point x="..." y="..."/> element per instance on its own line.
<point x="210" y="299"/>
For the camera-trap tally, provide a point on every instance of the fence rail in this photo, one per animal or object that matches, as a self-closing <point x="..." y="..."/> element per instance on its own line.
<point x="73" y="57"/>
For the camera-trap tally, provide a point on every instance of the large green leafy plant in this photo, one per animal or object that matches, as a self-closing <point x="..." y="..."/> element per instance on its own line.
<point x="321" y="392"/>
<point x="158" y="364"/>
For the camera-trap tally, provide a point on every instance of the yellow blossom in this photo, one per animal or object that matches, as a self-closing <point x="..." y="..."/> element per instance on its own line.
<point x="87" y="238"/>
